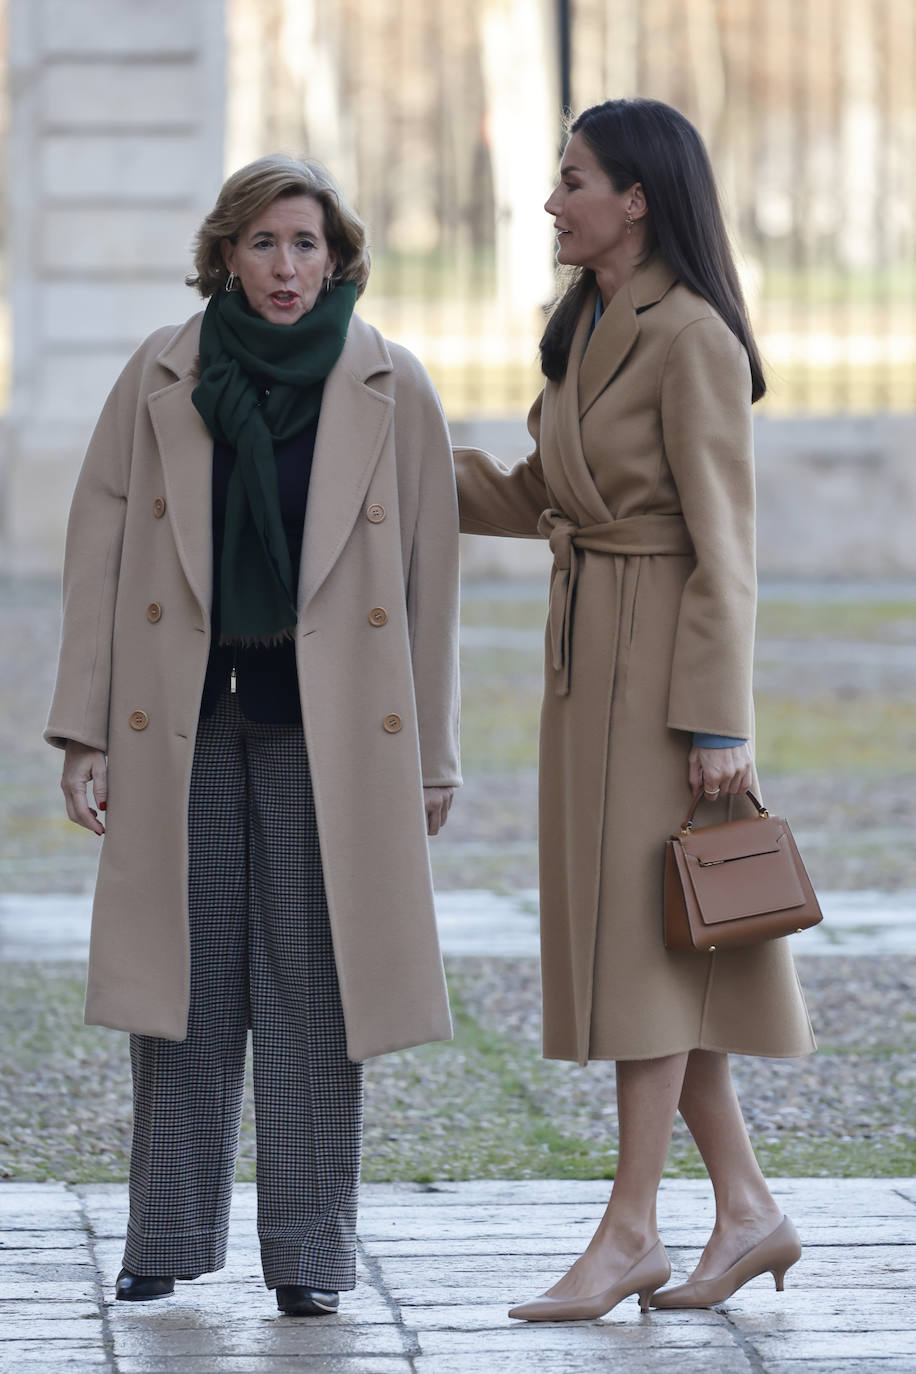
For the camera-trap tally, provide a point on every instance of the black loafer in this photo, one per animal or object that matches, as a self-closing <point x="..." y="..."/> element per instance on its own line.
<point x="297" y="1301"/>
<point x="143" y="1287"/>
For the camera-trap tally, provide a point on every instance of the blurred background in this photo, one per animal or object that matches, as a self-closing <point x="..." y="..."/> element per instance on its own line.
<point x="443" y="122"/>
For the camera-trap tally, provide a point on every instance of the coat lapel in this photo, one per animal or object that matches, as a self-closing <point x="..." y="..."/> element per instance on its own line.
<point x="594" y="362"/>
<point x="186" y="453"/>
<point x="565" y="468"/>
<point x="354" y="422"/>
<point x="618" y="329"/>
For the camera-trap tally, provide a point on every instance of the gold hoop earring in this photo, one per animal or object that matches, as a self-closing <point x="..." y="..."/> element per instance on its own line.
<point x="232" y="282"/>
<point x="329" y="284"/>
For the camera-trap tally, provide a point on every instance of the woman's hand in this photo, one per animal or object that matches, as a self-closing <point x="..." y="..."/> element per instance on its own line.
<point x="721" y="770"/>
<point x="438" y="801"/>
<point x="83" y="765"/>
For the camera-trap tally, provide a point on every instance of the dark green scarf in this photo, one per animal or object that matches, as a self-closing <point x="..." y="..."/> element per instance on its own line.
<point x="261" y="384"/>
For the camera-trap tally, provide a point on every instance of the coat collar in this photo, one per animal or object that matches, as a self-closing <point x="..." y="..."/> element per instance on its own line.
<point x="186" y="453"/>
<point x="180" y="355"/>
<point x="618" y="329"/>
<point x="354" y="421"/>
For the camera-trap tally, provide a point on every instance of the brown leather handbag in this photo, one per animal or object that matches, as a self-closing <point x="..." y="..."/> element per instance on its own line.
<point x="735" y="884"/>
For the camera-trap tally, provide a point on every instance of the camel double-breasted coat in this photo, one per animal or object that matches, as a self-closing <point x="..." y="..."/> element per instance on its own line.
<point x="376" y="651"/>
<point x="643" y="461"/>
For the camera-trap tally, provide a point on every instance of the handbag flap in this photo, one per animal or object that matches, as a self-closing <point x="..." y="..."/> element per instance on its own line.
<point x="731" y="879"/>
<point x="734" y="840"/>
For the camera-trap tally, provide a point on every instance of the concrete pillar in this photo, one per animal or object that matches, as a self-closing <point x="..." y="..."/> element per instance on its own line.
<point x="116" y="137"/>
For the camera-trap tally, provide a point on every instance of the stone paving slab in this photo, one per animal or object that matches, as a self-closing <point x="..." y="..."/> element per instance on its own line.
<point x="570" y="1362"/>
<point x="855" y="1365"/>
<point x="438" y="1267"/>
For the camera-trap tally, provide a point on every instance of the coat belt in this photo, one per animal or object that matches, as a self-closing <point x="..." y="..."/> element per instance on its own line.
<point x="633" y="535"/>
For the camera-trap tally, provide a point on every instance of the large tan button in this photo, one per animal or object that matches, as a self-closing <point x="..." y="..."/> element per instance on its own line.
<point x="378" y="616"/>
<point x="158" y="508"/>
<point x="154" y="611"/>
<point x="139" y="720"/>
<point x="376" y="514"/>
<point x="392" y="724"/>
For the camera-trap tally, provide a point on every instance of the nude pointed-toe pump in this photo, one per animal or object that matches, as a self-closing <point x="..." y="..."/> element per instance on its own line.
<point x="777" y="1252"/>
<point x="643" y="1278"/>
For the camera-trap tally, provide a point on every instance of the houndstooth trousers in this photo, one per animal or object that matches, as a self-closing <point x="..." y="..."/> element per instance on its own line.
<point x="261" y="957"/>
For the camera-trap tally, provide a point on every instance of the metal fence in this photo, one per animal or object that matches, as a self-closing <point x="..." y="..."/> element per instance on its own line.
<point x="443" y="123"/>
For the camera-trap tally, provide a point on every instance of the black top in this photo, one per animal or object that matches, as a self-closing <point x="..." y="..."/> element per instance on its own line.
<point x="266" y="680"/>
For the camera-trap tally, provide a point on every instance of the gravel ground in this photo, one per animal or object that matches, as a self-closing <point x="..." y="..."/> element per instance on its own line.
<point x="860" y="1083"/>
<point x="488" y="1105"/>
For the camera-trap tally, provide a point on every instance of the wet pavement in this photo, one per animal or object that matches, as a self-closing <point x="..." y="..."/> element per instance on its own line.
<point x="438" y="1267"/>
<point x="481" y="923"/>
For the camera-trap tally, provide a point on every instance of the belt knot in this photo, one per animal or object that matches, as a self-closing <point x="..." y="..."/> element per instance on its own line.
<point x="560" y="532"/>
<point x="632" y="535"/>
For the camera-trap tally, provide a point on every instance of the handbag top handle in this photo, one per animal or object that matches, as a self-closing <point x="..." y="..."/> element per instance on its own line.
<point x="687" y="825"/>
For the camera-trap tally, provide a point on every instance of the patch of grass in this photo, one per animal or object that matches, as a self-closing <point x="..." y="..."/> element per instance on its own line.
<point x="527" y="614"/>
<point x="861" y="733"/>
<point x="501" y="708"/>
<point x="796" y="1155"/>
<point x="891" y="622"/>
<point x="486" y="1106"/>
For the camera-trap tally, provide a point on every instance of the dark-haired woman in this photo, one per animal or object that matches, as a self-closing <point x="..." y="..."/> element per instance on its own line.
<point x="258" y="683"/>
<point x="642" y="480"/>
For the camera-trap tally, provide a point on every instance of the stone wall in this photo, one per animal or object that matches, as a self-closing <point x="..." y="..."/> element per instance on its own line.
<point x="115" y="156"/>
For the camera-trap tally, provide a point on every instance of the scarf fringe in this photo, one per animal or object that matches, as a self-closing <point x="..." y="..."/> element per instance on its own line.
<point x="259" y="641"/>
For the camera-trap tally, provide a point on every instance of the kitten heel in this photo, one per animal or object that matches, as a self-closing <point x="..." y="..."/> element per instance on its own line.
<point x="644" y="1296"/>
<point x="779" y="1278"/>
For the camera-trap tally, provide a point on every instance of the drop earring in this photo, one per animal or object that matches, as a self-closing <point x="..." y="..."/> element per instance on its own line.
<point x="628" y="220"/>
<point x="232" y="282"/>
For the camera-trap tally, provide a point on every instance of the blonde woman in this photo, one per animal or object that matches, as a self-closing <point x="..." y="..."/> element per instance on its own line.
<point x="258" y="692"/>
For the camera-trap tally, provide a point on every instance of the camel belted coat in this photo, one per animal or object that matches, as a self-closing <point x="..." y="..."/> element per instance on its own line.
<point x="642" y="479"/>
<point x="376" y="653"/>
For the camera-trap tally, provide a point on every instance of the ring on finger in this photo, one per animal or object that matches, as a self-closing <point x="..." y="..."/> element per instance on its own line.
<point x="713" y="792"/>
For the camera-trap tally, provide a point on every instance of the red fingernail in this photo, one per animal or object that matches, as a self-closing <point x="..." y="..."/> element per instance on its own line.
<point x="103" y="806"/>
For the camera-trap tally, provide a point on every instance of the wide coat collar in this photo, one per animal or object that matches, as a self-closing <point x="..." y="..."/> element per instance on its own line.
<point x="596" y="361"/>
<point x="595" y="357"/>
<point x="352" y="427"/>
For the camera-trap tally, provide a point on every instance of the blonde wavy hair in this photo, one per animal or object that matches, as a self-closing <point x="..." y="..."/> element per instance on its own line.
<point x="253" y="187"/>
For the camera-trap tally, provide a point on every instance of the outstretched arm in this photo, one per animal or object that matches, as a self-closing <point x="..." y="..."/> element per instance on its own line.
<point x="494" y="499"/>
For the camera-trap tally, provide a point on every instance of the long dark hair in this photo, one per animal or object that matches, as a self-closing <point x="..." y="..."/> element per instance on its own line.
<point x="652" y="143"/>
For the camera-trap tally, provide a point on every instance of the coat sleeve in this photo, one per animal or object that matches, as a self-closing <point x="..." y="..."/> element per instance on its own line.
<point x="708" y="439"/>
<point x="494" y="499"/>
<point x="432" y="583"/>
<point x="92" y="560"/>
